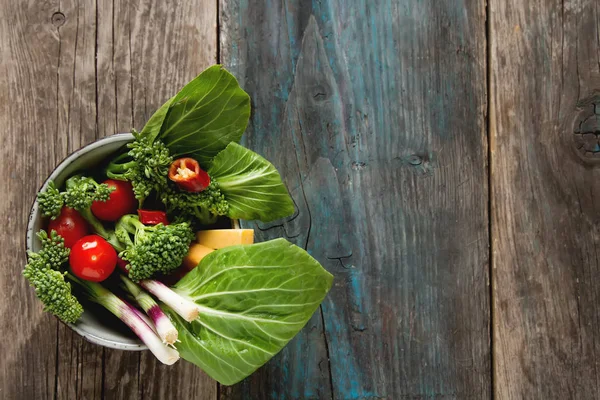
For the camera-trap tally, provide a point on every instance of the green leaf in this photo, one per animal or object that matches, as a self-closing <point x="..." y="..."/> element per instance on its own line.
<point x="253" y="299"/>
<point x="251" y="185"/>
<point x="205" y="116"/>
<point x="154" y="124"/>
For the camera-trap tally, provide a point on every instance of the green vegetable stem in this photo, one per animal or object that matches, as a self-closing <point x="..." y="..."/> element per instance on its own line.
<point x="129" y="315"/>
<point x="164" y="327"/>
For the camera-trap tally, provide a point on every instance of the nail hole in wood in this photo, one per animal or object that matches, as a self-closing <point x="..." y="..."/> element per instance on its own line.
<point x="58" y="19"/>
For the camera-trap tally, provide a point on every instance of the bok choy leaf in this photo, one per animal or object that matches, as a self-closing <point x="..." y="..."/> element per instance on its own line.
<point x="252" y="299"/>
<point x="251" y="185"/>
<point x="199" y="121"/>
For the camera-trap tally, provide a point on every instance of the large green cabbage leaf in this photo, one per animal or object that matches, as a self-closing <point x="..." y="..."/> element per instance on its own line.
<point x="253" y="299"/>
<point x="251" y="185"/>
<point x="199" y="121"/>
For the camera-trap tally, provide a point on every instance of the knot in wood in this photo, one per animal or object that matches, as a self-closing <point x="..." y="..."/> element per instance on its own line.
<point x="586" y="132"/>
<point x="321" y="93"/>
<point x="415" y="160"/>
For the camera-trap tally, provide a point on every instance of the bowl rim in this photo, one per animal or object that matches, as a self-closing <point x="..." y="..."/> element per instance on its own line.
<point x="124" y="137"/>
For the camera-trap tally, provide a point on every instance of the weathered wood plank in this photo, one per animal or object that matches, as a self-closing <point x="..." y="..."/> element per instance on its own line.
<point x="545" y="75"/>
<point x="74" y="71"/>
<point x="30" y="147"/>
<point x="379" y="132"/>
<point x="75" y="85"/>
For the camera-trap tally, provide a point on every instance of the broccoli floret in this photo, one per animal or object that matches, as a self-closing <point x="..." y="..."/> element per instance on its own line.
<point x="53" y="252"/>
<point x="82" y="191"/>
<point x="152" y="249"/>
<point x="203" y="207"/>
<point x="146" y="166"/>
<point x="51" y="201"/>
<point x="43" y="273"/>
<point x="52" y="289"/>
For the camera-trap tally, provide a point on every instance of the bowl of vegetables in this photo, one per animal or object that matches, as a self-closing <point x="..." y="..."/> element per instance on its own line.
<point x="133" y="240"/>
<point x="74" y="226"/>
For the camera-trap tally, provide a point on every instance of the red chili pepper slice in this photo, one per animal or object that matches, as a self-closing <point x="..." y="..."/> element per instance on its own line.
<point x="148" y="217"/>
<point x="188" y="175"/>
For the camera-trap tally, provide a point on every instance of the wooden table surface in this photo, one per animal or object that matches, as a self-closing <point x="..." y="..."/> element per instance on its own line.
<point x="443" y="156"/>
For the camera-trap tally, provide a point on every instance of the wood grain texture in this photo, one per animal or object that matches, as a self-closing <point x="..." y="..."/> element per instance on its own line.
<point x="379" y="132"/>
<point x="374" y="112"/>
<point x="545" y="75"/>
<point x="74" y="71"/>
<point x="26" y="371"/>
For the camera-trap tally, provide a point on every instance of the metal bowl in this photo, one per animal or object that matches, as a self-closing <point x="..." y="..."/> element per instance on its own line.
<point x="95" y="325"/>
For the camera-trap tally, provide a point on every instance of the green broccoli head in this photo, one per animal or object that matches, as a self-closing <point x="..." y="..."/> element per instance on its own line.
<point x="152" y="249"/>
<point x="203" y="207"/>
<point x="43" y="273"/>
<point x="152" y="165"/>
<point x="54" y="292"/>
<point x="53" y="252"/>
<point x="83" y="191"/>
<point x="50" y="201"/>
<point x="146" y="166"/>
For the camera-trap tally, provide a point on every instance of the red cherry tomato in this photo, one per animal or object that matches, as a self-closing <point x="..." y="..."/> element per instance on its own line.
<point x="92" y="258"/>
<point x="122" y="201"/>
<point x="70" y="225"/>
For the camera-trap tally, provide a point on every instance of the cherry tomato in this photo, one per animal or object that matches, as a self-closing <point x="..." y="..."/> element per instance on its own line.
<point x="92" y="258"/>
<point x="70" y="225"/>
<point x="122" y="201"/>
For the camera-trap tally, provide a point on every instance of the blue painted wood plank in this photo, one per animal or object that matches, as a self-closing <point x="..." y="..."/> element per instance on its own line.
<point x="374" y="113"/>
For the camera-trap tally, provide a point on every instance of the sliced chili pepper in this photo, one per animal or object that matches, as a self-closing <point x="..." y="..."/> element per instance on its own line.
<point x="188" y="175"/>
<point x="148" y="217"/>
